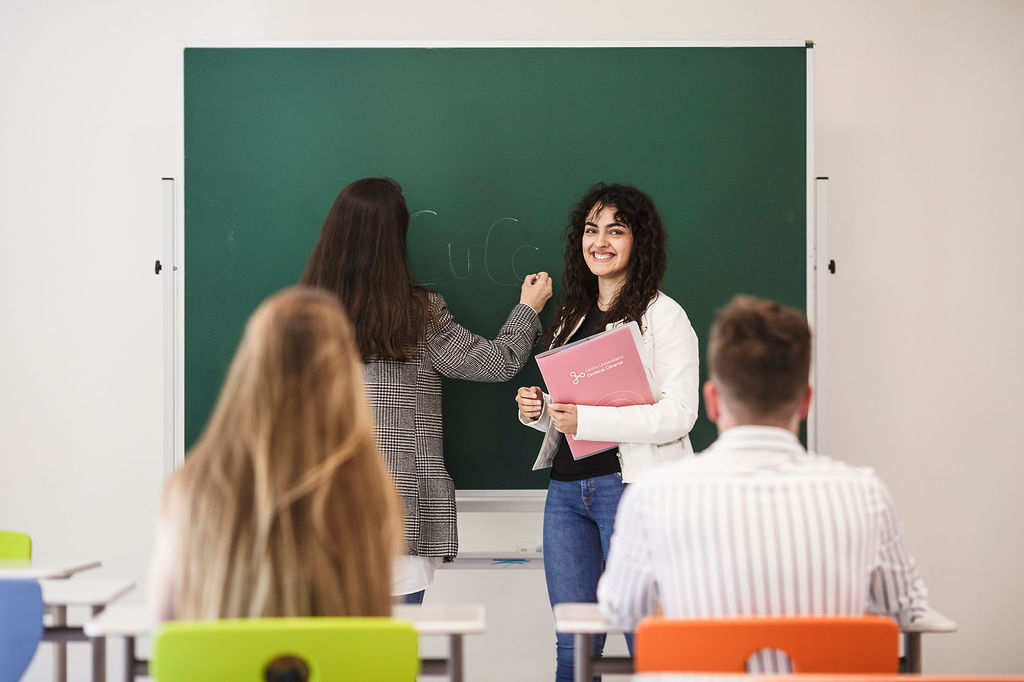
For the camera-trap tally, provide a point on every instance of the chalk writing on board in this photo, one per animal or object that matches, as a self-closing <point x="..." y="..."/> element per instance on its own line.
<point x="430" y="282"/>
<point x="487" y="251"/>
<point x="488" y="256"/>
<point x="516" y="253"/>
<point x="451" y="264"/>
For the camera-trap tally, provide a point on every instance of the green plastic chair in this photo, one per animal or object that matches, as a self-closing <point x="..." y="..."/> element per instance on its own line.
<point x="14" y="545"/>
<point x="286" y="650"/>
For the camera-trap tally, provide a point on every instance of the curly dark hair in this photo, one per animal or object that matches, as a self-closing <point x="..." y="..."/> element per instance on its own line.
<point x="646" y="265"/>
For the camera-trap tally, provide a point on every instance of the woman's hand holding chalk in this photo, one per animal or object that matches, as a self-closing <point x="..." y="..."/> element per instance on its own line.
<point x="536" y="290"/>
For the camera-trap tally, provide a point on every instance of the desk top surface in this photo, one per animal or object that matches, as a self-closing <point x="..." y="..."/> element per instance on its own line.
<point x="441" y="619"/>
<point x="581" y="618"/>
<point x="136" y="621"/>
<point x="83" y="591"/>
<point x="588" y="619"/>
<point x="37" y="570"/>
<point x="931" y="621"/>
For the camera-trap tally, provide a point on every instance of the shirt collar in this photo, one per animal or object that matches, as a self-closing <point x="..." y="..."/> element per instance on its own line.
<point x="758" y="438"/>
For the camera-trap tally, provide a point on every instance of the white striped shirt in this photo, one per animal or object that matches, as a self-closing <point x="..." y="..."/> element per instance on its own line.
<point x="756" y="525"/>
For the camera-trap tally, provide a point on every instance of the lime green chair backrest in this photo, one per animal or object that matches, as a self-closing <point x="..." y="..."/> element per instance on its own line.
<point x="286" y="649"/>
<point x="15" y="545"/>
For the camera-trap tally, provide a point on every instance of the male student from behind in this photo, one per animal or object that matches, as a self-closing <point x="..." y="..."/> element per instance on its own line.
<point x="756" y="525"/>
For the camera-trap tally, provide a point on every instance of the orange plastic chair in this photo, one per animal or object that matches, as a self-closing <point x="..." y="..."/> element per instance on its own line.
<point x="814" y="644"/>
<point x="876" y="677"/>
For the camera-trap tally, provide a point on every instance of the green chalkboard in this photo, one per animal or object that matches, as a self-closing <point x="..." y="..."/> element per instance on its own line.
<point x="491" y="146"/>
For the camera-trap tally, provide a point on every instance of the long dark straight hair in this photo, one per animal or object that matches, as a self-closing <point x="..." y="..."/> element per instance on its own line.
<point x="362" y="258"/>
<point x="646" y="263"/>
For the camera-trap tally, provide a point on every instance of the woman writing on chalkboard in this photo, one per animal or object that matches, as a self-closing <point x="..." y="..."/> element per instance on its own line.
<point x="408" y="340"/>
<point x="614" y="261"/>
<point x="283" y="507"/>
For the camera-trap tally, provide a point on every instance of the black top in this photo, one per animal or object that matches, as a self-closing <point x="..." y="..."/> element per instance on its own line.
<point x="564" y="467"/>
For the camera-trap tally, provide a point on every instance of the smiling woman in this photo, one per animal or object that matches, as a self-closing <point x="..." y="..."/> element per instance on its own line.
<point x="614" y="261"/>
<point x="607" y="243"/>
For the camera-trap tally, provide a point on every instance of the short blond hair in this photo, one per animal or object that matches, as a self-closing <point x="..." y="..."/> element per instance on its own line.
<point x="284" y="506"/>
<point x="760" y="357"/>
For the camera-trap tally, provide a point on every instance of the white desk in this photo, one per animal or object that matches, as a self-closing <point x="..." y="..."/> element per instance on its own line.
<point x="454" y="622"/>
<point x="586" y="620"/>
<point x="932" y="621"/>
<point x="95" y="594"/>
<point x="25" y="569"/>
<point x="451" y="621"/>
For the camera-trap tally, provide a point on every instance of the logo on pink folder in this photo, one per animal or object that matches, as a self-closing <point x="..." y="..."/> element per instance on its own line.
<point x="604" y="370"/>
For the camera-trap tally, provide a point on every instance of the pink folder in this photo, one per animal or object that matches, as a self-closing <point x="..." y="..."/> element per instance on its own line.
<point x="603" y="369"/>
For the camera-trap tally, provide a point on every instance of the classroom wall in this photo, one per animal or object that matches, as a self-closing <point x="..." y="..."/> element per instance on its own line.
<point x="917" y="124"/>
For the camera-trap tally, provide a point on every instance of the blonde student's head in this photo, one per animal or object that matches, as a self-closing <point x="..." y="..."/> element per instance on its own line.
<point x="284" y="506"/>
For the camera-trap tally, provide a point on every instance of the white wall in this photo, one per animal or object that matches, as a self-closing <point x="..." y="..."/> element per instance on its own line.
<point x="919" y="113"/>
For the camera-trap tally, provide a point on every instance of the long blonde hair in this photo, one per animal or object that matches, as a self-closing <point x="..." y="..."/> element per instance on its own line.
<point x="285" y="507"/>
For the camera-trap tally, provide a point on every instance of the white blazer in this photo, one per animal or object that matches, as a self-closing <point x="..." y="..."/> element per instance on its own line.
<point x="649" y="435"/>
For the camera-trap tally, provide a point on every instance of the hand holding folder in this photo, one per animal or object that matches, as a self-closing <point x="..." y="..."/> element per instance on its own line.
<point x="605" y="369"/>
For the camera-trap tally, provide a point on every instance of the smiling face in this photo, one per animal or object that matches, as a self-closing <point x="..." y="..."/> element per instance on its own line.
<point x="607" y="244"/>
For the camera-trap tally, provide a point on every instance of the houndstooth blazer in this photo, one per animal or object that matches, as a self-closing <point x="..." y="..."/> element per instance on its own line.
<point x="406" y="400"/>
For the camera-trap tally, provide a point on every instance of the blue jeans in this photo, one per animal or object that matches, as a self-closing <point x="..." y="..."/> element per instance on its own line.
<point x="579" y="517"/>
